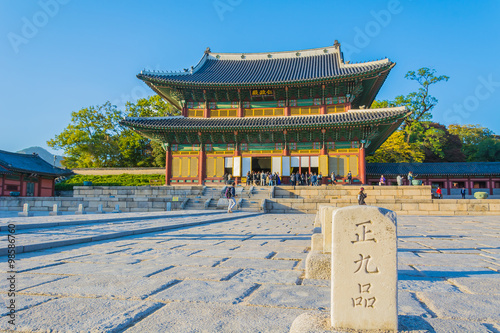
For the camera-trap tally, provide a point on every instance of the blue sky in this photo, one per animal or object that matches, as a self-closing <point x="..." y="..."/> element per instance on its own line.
<point x="58" y="56"/>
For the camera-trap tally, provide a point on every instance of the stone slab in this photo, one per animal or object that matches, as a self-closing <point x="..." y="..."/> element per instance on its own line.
<point x="216" y="318"/>
<point x="267" y="276"/>
<point x="463" y="306"/>
<point x="22" y="302"/>
<point x="260" y="263"/>
<point x="123" y="287"/>
<point x="195" y="273"/>
<point x="296" y="296"/>
<point x="206" y="291"/>
<point x="65" y="314"/>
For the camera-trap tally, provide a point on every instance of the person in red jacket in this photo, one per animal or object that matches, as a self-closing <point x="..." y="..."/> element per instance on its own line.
<point x="439" y="193"/>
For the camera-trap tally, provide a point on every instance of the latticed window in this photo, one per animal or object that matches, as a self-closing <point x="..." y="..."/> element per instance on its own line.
<point x="296" y="111"/>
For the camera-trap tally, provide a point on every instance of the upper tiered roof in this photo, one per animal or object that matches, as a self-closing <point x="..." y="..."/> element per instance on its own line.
<point x="269" y="68"/>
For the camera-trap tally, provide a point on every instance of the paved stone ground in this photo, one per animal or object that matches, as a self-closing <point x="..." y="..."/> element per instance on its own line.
<point x="245" y="275"/>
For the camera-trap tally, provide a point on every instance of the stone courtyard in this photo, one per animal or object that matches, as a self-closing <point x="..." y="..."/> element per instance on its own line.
<point x="214" y="272"/>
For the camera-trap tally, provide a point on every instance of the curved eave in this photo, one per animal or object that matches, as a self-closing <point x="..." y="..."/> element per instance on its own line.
<point x="276" y="84"/>
<point x="392" y="120"/>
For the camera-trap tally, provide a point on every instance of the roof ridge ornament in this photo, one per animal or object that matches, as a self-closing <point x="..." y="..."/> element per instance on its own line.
<point x="336" y="44"/>
<point x="207" y="51"/>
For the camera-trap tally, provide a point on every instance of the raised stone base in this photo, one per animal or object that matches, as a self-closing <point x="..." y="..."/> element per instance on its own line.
<point x="318" y="265"/>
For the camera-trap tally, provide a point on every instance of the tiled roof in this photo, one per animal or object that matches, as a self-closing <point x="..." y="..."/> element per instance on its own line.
<point x="356" y="117"/>
<point x="28" y="163"/>
<point x="432" y="169"/>
<point x="239" y="69"/>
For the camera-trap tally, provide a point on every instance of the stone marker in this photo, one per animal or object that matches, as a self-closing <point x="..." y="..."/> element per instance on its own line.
<point x="100" y="209"/>
<point x="26" y="211"/>
<point x="55" y="210"/>
<point x="117" y="209"/>
<point x="364" y="269"/>
<point x="80" y="210"/>
<point x="169" y="206"/>
<point x="318" y="261"/>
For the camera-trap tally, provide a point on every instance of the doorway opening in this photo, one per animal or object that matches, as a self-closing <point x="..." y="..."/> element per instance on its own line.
<point x="260" y="164"/>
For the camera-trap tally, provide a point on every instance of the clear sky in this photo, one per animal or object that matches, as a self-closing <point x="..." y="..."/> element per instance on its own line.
<point x="58" y="56"/>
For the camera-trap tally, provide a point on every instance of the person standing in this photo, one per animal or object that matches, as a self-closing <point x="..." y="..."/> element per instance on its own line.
<point x="320" y="179"/>
<point x="230" y="195"/>
<point x="349" y="177"/>
<point x="381" y="181"/>
<point x="410" y="178"/>
<point x="248" y="178"/>
<point x="262" y="178"/>
<point x="362" y="196"/>
<point x="462" y="192"/>
<point x="399" y="180"/>
<point x="439" y="193"/>
<point x="332" y="178"/>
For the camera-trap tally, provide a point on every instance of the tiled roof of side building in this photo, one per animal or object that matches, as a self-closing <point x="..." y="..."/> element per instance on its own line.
<point x="258" y="123"/>
<point x="433" y="169"/>
<point x="28" y="163"/>
<point x="239" y="69"/>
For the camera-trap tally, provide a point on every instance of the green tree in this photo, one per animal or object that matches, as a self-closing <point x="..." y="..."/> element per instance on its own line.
<point x="396" y="150"/>
<point x="478" y="142"/>
<point x="416" y="130"/>
<point x="95" y="139"/>
<point x="90" y="140"/>
<point x="487" y="150"/>
<point x="136" y="149"/>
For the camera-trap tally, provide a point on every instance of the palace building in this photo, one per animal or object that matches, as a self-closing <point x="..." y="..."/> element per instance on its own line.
<point x="298" y="111"/>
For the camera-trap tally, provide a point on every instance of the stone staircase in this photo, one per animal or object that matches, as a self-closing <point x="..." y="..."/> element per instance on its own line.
<point x="196" y="203"/>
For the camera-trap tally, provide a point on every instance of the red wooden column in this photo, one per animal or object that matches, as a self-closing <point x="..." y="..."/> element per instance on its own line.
<point x="362" y="165"/>
<point x="184" y="111"/>
<point x="201" y="165"/>
<point x="469" y="185"/>
<point x="21" y="187"/>
<point x="3" y="185"/>
<point x="448" y="185"/>
<point x="322" y="109"/>
<point x="492" y="185"/>
<point x="168" y="165"/>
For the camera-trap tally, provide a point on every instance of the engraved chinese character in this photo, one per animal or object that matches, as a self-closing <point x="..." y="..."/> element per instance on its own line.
<point x="357" y="301"/>
<point x="365" y="261"/>
<point x="369" y="302"/>
<point x="262" y="92"/>
<point x="364" y="288"/>
<point x="362" y="235"/>
<point x="269" y="92"/>
<point x="255" y="92"/>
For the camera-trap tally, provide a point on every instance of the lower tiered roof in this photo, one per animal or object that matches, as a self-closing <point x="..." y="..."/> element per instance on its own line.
<point x="373" y="126"/>
<point x="353" y="117"/>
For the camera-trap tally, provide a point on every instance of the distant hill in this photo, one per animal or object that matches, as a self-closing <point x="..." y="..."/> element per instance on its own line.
<point x="44" y="154"/>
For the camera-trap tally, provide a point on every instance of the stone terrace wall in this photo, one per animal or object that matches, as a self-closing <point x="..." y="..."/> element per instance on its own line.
<point x="129" y="198"/>
<point x="136" y="191"/>
<point x="405" y="200"/>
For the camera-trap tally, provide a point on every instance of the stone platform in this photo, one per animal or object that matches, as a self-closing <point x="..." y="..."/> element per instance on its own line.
<point x="245" y="274"/>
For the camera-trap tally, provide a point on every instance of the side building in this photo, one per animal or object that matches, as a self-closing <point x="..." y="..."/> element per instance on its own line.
<point x="28" y="175"/>
<point x="303" y="111"/>
<point x="451" y="177"/>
